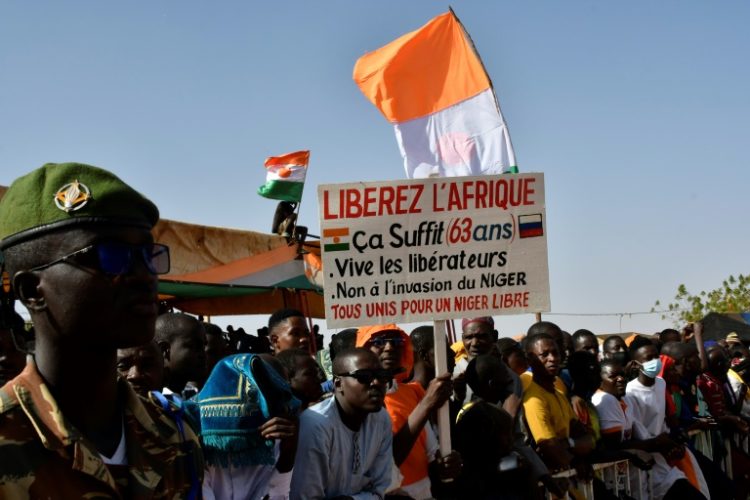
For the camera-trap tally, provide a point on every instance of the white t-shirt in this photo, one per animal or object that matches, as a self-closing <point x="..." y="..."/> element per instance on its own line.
<point x="649" y="420"/>
<point x="649" y="407"/>
<point x="613" y="414"/>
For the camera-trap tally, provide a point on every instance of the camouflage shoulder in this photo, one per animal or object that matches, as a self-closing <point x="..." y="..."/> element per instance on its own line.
<point x="8" y="398"/>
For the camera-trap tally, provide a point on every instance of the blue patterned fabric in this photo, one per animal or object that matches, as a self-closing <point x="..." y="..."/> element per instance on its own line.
<point x="241" y="394"/>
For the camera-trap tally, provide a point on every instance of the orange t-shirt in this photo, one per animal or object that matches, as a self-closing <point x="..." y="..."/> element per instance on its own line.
<point x="399" y="405"/>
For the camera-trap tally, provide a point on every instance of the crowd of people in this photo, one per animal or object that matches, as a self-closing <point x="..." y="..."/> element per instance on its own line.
<point x="104" y="395"/>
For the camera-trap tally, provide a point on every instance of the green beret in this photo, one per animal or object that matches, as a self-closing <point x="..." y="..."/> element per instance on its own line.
<point x="59" y="195"/>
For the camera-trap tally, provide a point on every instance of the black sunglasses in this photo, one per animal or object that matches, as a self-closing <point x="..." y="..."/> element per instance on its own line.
<point x="116" y="258"/>
<point x="382" y="341"/>
<point x="365" y="377"/>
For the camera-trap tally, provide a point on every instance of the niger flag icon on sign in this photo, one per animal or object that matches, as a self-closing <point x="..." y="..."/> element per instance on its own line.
<point x="336" y="239"/>
<point x="530" y="226"/>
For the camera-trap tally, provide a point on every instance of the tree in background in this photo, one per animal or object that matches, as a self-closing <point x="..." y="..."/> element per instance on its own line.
<point x="732" y="297"/>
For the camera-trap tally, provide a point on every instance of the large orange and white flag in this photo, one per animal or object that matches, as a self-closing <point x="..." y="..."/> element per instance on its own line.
<point x="432" y="86"/>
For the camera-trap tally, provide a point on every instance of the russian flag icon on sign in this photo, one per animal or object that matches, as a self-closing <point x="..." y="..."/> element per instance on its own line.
<point x="530" y="226"/>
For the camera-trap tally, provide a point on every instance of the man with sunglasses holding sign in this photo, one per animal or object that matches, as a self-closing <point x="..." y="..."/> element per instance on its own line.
<point x="415" y="446"/>
<point x="344" y="448"/>
<point x="78" y="249"/>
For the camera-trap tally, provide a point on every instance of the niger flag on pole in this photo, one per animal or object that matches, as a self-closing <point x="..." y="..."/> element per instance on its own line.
<point x="432" y="86"/>
<point x="285" y="176"/>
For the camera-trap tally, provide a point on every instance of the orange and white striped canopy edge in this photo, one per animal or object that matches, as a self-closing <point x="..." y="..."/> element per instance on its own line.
<point x="422" y="72"/>
<point x="296" y="158"/>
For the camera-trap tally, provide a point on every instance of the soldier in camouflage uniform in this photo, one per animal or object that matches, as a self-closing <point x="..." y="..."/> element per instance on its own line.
<point x="78" y="248"/>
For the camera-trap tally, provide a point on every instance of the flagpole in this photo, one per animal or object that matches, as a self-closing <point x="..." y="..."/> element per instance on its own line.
<point x="300" y="295"/>
<point x="294" y="224"/>
<point x="492" y="86"/>
<point x="440" y="349"/>
<point x="297" y="208"/>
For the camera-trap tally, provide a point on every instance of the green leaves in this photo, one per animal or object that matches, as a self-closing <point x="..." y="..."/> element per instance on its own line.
<point x="732" y="297"/>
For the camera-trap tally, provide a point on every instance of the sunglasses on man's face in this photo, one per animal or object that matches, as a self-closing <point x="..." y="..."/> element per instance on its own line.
<point x="380" y="342"/>
<point x="365" y="377"/>
<point x="116" y="259"/>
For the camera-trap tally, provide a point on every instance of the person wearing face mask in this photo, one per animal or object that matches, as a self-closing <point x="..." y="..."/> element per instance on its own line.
<point x="647" y="396"/>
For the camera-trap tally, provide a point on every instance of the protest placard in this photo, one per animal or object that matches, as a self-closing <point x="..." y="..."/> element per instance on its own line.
<point x="430" y="249"/>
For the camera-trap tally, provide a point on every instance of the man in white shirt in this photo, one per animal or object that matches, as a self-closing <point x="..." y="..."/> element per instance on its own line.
<point x="345" y="442"/>
<point x="646" y="396"/>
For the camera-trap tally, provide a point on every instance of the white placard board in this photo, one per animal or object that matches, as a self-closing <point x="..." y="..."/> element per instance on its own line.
<point x="429" y="249"/>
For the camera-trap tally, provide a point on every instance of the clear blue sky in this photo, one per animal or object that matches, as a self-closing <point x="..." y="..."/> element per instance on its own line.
<point x="637" y="112"/>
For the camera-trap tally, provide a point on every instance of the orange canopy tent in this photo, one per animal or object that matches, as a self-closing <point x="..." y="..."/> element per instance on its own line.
<point x="218" y="271"/>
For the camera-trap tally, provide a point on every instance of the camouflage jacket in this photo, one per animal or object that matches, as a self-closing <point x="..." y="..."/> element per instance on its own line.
<point x="43" y="456"/>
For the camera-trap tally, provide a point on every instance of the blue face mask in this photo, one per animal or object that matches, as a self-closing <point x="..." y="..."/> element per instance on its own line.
<point x="651" y="368"/>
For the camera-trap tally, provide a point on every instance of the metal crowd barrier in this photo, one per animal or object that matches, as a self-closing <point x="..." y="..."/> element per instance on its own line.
<point x="620" y="477"/>
<point x="704" y="441"/>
